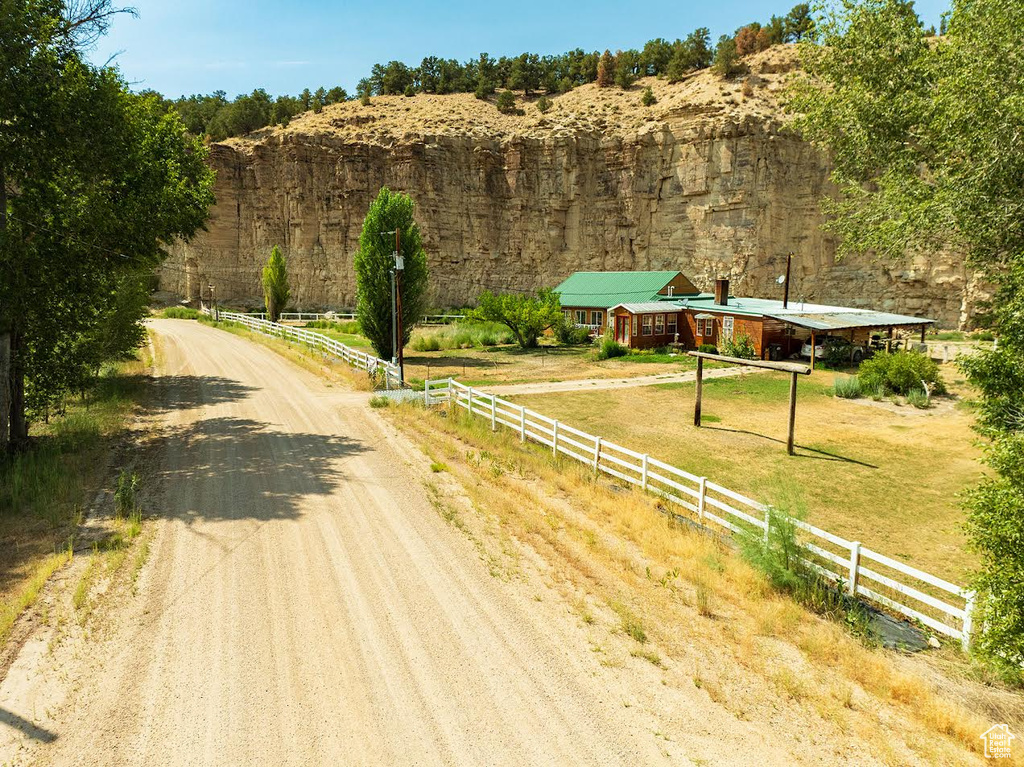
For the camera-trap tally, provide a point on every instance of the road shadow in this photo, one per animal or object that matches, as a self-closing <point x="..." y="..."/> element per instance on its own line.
<point x="180" y="392"/>
<point x="20" y="723"/>
<point x="801" y="451"/>
<point x="239" y="468"/>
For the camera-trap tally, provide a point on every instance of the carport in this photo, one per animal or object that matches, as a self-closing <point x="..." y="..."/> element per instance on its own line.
<point x="853" y="321"/>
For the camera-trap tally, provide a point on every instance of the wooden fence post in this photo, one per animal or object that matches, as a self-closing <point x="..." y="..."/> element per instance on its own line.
<point x="699" y="392"/>
<point x="597" y="455"/>
<point x="700" y="499"/>
<point x="522" y="423"/>
<point x="643" y="472"/>
<point x="767" y="523"/>
<point x="854" y="568"/>
<point x="965" y="639"/>
<point x="554" y="439"/>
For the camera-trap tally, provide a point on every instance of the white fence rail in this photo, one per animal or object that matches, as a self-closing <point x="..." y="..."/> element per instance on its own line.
<point x="942" y="606"/>
<point x="430" y="319"/>
<point x="354" y="357"/>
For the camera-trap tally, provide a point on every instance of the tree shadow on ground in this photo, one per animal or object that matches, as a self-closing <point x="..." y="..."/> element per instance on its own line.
<point x="808" y="452"/>
<point x="237" y="468"/>
<point x="183" y="392"/>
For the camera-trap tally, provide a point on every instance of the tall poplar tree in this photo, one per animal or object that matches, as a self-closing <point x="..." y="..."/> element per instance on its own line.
<point x="374" y="262"/>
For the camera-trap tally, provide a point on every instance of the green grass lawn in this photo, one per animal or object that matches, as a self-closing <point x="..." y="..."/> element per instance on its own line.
<point x="861" y="471"/>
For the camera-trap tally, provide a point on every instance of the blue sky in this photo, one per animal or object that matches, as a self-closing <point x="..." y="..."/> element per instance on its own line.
<point x="191" y="46"/>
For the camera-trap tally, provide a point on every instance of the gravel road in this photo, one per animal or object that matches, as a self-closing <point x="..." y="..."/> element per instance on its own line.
<point x="305" y="603"/>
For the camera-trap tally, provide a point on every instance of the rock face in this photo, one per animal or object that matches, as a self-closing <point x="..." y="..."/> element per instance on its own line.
<point x="702" y="183"/>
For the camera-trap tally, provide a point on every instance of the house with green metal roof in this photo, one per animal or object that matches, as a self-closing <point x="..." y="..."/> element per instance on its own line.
<point x="587" y="296"/>
<point x="653" y="309"/>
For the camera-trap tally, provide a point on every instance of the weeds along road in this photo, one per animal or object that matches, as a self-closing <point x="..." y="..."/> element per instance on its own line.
<point x="305" y="603"/>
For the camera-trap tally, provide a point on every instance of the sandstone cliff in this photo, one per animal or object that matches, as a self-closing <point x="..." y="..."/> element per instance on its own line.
<point x="706" y="181"/>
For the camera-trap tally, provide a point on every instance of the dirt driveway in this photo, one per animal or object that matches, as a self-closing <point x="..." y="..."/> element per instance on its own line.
<point x="304" y="603"/>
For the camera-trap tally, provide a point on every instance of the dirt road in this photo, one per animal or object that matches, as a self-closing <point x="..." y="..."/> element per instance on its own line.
<point x="307" y="605"/>
<point x="304" y="603"/>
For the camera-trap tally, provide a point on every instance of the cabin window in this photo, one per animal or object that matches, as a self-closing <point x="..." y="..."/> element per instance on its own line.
<point x="636" y="325"/>
<point x="659" y="324"/>
<point x="567" y="314"/>
<point x="727" y="326"/>
<point x="595" y="318"/>
<point x="706" y="327"/>
<point x="647" y="324"/>
<point x="672" y="324"/>
<point x="581" y="316"/>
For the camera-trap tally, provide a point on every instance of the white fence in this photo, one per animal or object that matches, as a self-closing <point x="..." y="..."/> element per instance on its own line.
<point x="430" y="319"/>
<point x="942" y="606"/>
<point x="354" y="357"/>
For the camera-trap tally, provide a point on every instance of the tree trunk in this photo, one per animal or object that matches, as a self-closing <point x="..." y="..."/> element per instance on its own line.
<point x="5" y="392"/>
<point x="19" y="423"/>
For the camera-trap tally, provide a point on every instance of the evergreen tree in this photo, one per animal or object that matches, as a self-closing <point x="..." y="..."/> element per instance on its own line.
<point x="727" y="62"/>
<point x="799" y="23"/>
<point x="276" y="291"/>
<point x="648" y="98"/>
<point x="374" y="262"/>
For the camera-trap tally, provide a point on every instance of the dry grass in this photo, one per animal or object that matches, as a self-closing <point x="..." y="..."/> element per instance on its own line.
<point x="890" y="480"/>
<point x="759" y="655"/>
<point x="615" y="111"/>
<point x="43" y="492"/>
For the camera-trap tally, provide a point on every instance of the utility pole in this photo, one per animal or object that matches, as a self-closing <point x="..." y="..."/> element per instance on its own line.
<point x="785" y="296"/>
<point x="5" y="342"/>
<point x="399" y="268"/>
<point x="397" y="357"/>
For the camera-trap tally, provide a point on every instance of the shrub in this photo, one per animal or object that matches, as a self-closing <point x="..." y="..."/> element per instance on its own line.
<point x="379" y="401"/>
<point x="986" y="335"/>
<point x="838" y="353"/>
<point x="847" y="387"/>
<point x="901" y="372"/>
<point x="350" y="327"/>
<point x="180" y="313"/>
<point x="648" y="99"/>
<point x="919" y="398"/>
<point x="569" y="333"/>
<point x="708" y="349"/>
<point x="409" y="91"/>
<point x="506" y="103"/>
<point x="543" y="104"/>
<point x="611" y="348"/>
<point x="124" y="495"/>
<point x="741" y="346"/>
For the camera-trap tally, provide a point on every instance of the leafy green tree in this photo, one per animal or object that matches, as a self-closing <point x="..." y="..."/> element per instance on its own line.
<point x="727" y="60"/>
<point x="319" y="100"/>
<point x="627" y="64"/>
<point x="336" y="95"/>
<point x="655" y="57"/>
<point x="363" y="89"/>
<point x="94" y="183"/>
<point x="606" y="70"/>
<point x="524" y="73"/>
<point x="276" y="290"/>
<point x="374" y="262"/>
<point x="799" y="23"/>
<point x="527" y="316"/>
<point x="924" y="140"/>
<point x="691" y="54"/>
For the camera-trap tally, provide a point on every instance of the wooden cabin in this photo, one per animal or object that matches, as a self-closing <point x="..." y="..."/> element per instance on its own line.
<point x="587" y="297"/>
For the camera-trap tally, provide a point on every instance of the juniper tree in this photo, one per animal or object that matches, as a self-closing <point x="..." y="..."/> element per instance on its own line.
<point x="276" y="291"/>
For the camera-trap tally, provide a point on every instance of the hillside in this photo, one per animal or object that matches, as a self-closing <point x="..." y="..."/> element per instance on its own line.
<point x="706" y="180"/>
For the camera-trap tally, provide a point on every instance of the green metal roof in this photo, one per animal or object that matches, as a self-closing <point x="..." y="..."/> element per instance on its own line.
<point x="603" y="290"/>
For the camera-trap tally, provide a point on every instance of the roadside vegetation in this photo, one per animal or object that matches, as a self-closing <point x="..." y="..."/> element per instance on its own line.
<point x="44" y="491"/>
<point x="653" y="592"/>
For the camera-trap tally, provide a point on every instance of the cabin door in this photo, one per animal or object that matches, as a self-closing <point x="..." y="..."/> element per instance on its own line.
<point x="622" y="328"/>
